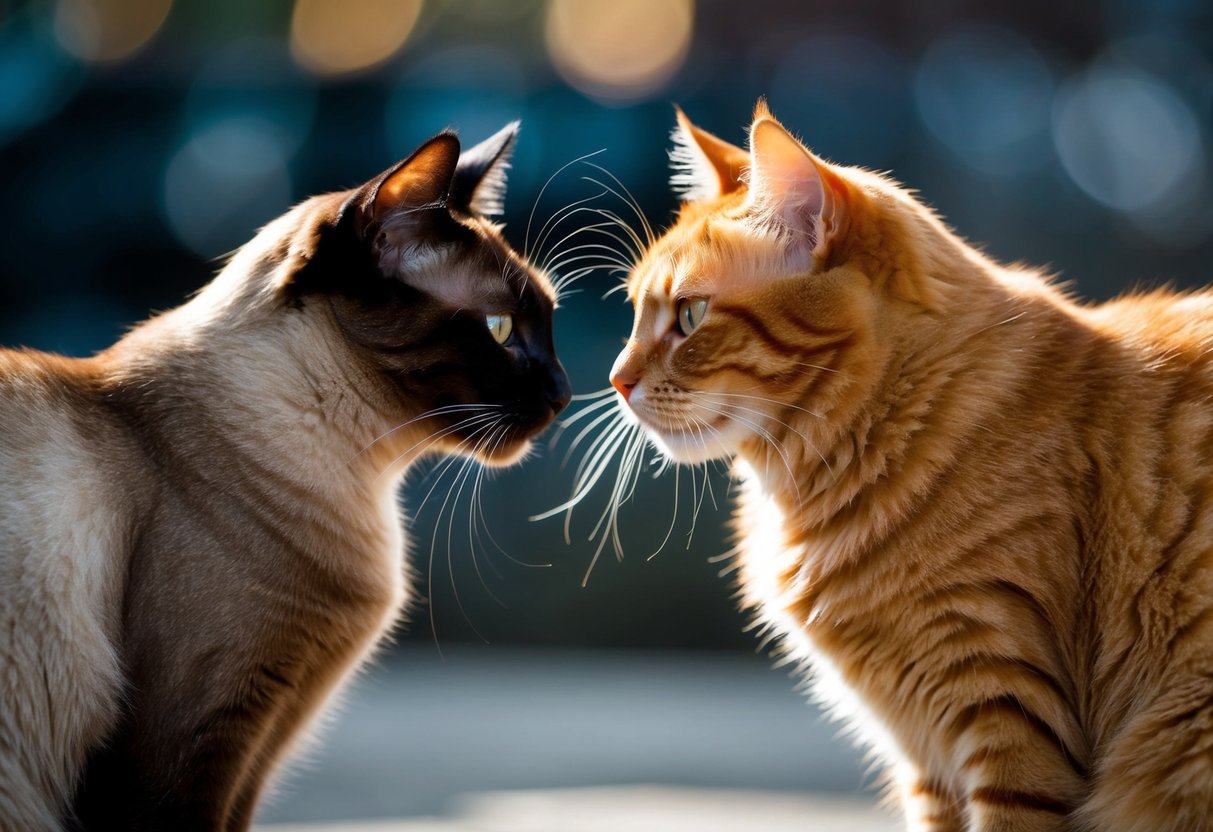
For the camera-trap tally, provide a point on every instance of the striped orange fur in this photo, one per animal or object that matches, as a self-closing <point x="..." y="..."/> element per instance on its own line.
<point x="980" y="511"/>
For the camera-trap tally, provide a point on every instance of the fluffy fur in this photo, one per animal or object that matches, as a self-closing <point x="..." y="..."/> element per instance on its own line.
<point x="980" y="511"/>
<point x="199" y="537"/>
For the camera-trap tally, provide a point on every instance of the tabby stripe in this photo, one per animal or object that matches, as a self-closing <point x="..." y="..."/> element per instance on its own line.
<point x="1166" y="563"/>
<point x="742" y="367"/>
<point x="922" y="787"/>
<point x="802" y="324"/>
<point x="969" y="664"/>
<point x="1007" y="798"/>
<point x="1200" y="708"/>
<point x="959" y="624"/>
<point x="1191" y="626"/>
<point x="754" y="371"/>
<point x="1172" y="550"/>
<point x="999" y="589"/>
<point x="982" y="756"/>
<point x="905" y="673"/>
<point x="762" y="331"/>
<point x="1010" y="706"/>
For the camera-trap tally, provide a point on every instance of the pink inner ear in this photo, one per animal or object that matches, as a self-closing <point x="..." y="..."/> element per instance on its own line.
<point x="785" y="182"/>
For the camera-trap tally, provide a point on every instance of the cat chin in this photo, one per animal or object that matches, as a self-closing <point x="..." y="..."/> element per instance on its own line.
<point x="506" y="456"/>
<point x="689" y="448"/>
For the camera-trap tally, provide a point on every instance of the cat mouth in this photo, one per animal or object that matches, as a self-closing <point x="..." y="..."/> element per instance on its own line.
<point x="692" y="442"/>
<point x="685" y="428"/>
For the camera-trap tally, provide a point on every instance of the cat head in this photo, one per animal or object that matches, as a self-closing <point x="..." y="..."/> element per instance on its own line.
<point x="441" y="329"/>
<point x="777" y="293"/>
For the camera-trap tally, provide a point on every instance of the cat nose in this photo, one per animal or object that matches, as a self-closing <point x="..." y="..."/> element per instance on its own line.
<point x="623" y="381"/>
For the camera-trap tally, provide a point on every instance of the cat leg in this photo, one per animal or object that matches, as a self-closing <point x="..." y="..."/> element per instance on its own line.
<point x="1158" y="774"/>
<point x="59" y="692"/>
<point x="154" y="776"/>
<point x="1017" y="773"/>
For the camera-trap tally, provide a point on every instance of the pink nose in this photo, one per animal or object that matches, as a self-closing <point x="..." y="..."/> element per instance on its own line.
<point x="623" y="381"/>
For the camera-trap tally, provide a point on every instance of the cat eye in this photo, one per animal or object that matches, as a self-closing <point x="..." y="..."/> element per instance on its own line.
<point x="690" y="314"/>
<point x="500" y="325"/>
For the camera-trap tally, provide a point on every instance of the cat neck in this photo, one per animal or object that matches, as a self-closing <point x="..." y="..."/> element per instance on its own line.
<point x="233" y="381"/>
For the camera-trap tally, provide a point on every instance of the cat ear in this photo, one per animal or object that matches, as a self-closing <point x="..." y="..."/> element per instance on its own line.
<point x="479" y="184"/>
<point x="705" y="167"/>
<point x="789" y="186"/>
<point x="421" y="181"/>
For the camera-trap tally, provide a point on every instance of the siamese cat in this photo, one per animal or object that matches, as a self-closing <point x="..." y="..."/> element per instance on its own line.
<point x="199" y="538"/>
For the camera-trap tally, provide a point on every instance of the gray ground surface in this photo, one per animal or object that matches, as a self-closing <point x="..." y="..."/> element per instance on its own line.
<point x="497" y="739"/>
<point x="639" y="808"/>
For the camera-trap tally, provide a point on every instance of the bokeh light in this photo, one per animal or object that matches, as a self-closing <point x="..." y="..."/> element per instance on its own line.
<point x="1169" y="55"/>
<point x="36" y="77"/>
<point x="253" y="80"/>
<point x="332" y="38"/>
<point x="228" y="179"/>
<point x="623" y="49"/>
<point x="108" y="30"/>
<point x="1125" y="138"/>
<point x="476" y="88"/>
<point x="845" y="93"/>
<point x="493" y="12"/>
<point x="986" y="94"/>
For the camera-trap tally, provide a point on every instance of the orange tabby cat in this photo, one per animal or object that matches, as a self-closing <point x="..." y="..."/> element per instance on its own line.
<point x="984" y="509"/>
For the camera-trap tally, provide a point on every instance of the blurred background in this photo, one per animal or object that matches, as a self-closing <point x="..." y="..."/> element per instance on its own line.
<point x="140" y="140"/>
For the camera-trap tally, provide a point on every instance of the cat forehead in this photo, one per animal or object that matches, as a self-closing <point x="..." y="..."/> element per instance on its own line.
<point x="465" y="280"/>
<point x="711" y="256"/>
<point x="476" y="270"/>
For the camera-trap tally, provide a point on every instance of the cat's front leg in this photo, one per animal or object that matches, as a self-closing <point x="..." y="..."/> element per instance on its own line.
<point x="1015" y="771"/>
<point x="169" y="771"/>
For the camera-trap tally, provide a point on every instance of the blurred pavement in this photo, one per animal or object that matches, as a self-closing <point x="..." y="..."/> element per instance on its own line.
<point x="616" y="740"/>
<point x="644" y="809"/>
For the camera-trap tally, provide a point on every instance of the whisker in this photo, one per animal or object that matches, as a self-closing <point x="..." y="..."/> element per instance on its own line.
<point x="597" y="394"/>
<point x="803" y="438"/>
<point x="775" y="402"/>
<point x="622" y="287"/>
<point x="443" y="467"/>
<point x="611" y="413"/>
<point x="484" y="524"/>
<point x="629" y="200"/>
<point x="766" y="436"/>
<point x="635" y="244"/>
<point x="430" y="439"/>
<point x="577" y="206"/>
<point x="612" y="509"/>
<point x="602" y="445"/>
<point x="669" y="532"/>
<point x="600" y="228"/>
<point x="527" y="236"/>
<point x="438" y="411"/>
<point x="493" y="438"/>
<point x="593" y="472"/>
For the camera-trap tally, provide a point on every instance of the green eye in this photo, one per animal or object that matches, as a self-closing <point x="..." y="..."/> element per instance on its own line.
<point x="690" y="314"/>
<point x="500" y="325"/>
